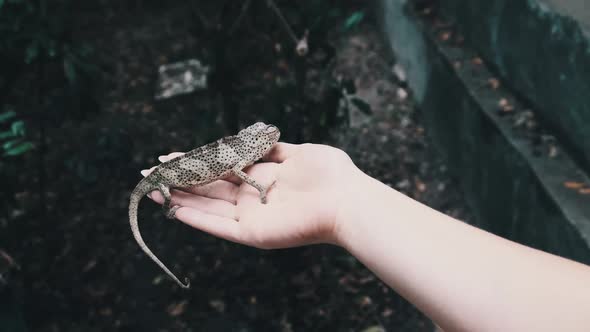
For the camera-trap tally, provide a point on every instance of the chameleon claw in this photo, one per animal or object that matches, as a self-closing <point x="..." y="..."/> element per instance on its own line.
<point x="171" y="214"/>
<point x="264" y="192"/>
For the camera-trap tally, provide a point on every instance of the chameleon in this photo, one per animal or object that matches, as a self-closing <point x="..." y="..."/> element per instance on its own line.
<point x="203" y="165"/>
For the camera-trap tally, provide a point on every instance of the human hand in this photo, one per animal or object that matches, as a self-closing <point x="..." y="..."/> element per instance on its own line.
<point x="311" y="181"/>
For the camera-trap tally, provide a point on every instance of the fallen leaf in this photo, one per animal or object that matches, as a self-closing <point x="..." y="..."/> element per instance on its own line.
<point x="553" y="151"/>
<point x="421" y="186"/>
<point x="219" y="305"/>
<point x="366" y="279"/>
<point x="477" y="61"/>
<point x="494" y="83"/>
<point x="400" y="73"/>
<point x="402" y="94"/>
<point x="147" y="108"/>
<point x="158" y="280"/>
<point x="89" y="266"/>
<point x="387" y="312"/>
<point x="7" y="258"/>
<point x="506" y="110"/>
<point x="584" y="191"/>
<point x="403" y="184"/>
<point x="365" y="301"/>
<point x="445" y="35"/>
<point x="573" y="185"/>
<point x="106" y="312"/>
<point x="375" y="328"/>
<point x="505" y="106"/>
<point x="283" y="65"/>
<point x="176" y="309"/>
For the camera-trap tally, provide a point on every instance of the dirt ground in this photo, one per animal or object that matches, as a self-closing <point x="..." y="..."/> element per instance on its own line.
<point x="81" y="270"/>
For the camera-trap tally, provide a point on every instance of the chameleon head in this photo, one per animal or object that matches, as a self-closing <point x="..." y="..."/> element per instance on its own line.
<point x="259" y="138"/>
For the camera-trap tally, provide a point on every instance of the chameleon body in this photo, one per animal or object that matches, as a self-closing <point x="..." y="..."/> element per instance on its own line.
<point x="203" y="165"/>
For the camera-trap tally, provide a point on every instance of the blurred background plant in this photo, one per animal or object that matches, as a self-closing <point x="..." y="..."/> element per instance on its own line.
<point x="78" y="119"/>
<point x="49" y="76"/>
<point x="45" y="76"/>
<point x="303" y="97"/>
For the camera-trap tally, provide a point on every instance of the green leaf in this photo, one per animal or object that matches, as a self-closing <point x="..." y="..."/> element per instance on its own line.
<point x="19" y="149"/>
<point x="11" y="144"/>
<point x="7" y="115"/>
<point x="354" y="20"/>
<point x="69" y="70"/>
<point x="1" y="3"/>
<point x="362" y="105"/>
<point x="6" y="134"/>
<point x="18" y="128"/>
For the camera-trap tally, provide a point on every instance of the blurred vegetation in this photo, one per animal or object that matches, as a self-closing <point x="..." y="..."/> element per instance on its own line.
<point x="37" y="43"/>
<point x="13" y="136"/>
<point x="44" y="75"/>
<point x="50" y="78"/>
<point x="306" y="98"/>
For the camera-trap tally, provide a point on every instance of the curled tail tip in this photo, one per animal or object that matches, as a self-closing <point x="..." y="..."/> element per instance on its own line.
<point x="186" y="285"/>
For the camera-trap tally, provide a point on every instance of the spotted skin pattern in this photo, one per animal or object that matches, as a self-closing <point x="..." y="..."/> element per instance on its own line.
<point x="203" y="165"/>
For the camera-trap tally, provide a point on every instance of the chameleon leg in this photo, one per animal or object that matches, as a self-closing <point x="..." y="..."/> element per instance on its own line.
<point x="169" y="210"/>
<point x="238" y="171"/>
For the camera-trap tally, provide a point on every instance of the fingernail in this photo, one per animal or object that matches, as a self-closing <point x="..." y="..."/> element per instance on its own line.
<point x="162" y="158"/>
<point x="144" y="172"/>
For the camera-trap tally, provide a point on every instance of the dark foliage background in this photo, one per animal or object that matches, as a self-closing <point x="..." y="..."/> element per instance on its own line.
<point x="78" y="120"/>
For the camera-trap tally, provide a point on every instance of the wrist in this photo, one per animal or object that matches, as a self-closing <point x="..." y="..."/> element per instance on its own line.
<point x="360" y="205"/>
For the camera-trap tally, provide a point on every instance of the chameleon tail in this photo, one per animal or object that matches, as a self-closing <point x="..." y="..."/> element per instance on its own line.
<point x="142" y="189"/>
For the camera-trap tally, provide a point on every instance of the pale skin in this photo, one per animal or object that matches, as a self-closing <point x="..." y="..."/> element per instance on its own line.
<point x="463" y="278"/>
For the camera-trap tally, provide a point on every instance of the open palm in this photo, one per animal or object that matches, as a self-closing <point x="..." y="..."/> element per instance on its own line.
<point x="307" y="180"/>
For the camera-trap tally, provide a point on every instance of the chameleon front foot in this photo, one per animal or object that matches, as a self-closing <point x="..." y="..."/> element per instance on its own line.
<point x="262" y="190"/>
<point x="263" y="193"/>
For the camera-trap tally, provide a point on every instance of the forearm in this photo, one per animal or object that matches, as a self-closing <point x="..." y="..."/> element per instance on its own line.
<point x="460" y="276"/>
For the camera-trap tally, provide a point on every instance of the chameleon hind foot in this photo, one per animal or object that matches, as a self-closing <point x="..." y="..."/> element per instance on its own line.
<point x="171" y="213"/>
